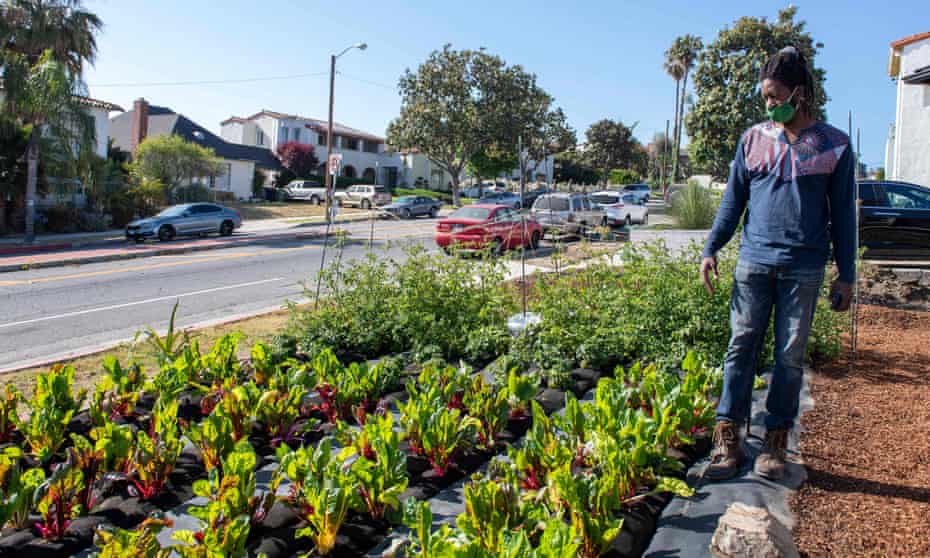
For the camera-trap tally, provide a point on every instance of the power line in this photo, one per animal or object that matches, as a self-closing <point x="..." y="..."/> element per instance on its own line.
<point x="369" y="82"/>
<point x="210" y="82"/>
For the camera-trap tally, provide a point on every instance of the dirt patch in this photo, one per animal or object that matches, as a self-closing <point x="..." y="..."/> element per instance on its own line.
<point x="867" y="444"/>
<point x="557" y="255"/>
<point x="282" y="210"/>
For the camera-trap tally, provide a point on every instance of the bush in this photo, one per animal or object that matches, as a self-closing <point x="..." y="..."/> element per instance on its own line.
<point x="148" y="196"/>
<point x="378" y="306"/>
<point x="694" y="207"/>
<point x="192" y="194"/>
<point x="441" y="196"/>
<point x="624" y="176"/>
<point x="61" y="219"/>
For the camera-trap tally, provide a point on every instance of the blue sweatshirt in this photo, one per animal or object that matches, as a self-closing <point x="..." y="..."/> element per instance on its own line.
<point x="797" y="196"/>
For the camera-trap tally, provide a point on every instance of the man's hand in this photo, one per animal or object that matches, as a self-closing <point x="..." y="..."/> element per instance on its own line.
<point x="708" y="265"/>
<point x="844" y="290"/>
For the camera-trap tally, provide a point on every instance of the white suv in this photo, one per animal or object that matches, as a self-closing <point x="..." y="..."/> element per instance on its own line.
<point x="364" y="196"/>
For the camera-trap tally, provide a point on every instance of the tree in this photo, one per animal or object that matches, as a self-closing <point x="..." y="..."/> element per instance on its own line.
<point x="299" y="158"/>
<point x="571" y="166"/>
<point x="173" y="162"/>
<point x="30" y="27"/>
<point x="658" y="155"/>
<point x="880" y="173"/>
<point x="460" y="102"/>
<point x="611" y="145"/>
<point x="673" y="67"/>
<point x="491" y="161"/>
<point x="555" y="136"/>
<point x="726" y="84"/>
<point x="41" y="97"/>
<point x="624" y="176"/>
<point x="683" y="53"/>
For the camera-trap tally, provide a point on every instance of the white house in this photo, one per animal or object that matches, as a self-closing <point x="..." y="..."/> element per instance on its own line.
<point x="418" y="170"/>
<point x="239" y="161"/>
<point x="364" y="155"/>
<point x="908" y="145"/>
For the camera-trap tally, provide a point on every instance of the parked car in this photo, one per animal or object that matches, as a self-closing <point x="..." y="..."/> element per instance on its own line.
<point x="894" y="219"/>
<point x="567" y="213"/>
<point x="184" y="220"/>
<point x="480" y="226"/>
<point x="306" y="190"/>
<point x="529" y="197"/>
<point x="407" y="207"/>
<point x="641" y="191"/>
<point x="364" y="196"/>
<point x="621" y="210"/>
<point x="502" y="198"/>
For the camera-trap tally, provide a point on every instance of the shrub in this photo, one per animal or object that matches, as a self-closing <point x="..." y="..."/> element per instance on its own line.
<point x="61" y="219"/>
<point x="148" y="196"/>
<point x="623" y="176"/>
<point x="694" y="207"/>
<point x="191" y="194"/>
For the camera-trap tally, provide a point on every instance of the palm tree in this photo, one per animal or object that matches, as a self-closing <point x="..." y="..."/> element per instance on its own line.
<point x="30" y="27"/>
<point x="673" y="68"/>
<point x="44" y="46"/>
<point x="685" y="52"/>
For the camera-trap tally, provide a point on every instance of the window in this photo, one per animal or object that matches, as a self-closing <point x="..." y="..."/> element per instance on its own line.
<point x="350" y="143"/>
<point x="869" y="196"/>
<point x="903" y="197"/>
<point x="370" y="146"/>
<point x="585" y="204"/>
<point x="259" y="137"/>
<point x="320" y="139"/>
<point x="576" y="204"/>
<point x="296" y="134"/>
<point x="605" y="199"/>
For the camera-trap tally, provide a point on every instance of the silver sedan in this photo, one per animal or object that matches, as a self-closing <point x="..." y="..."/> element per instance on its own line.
<point x="185" y="220"/>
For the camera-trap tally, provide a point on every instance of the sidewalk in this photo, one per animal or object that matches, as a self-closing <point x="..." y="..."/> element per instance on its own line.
<point x="71" y="249"/>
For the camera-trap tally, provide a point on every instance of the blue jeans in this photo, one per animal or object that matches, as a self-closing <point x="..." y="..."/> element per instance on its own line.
<point x="757" y="290"/>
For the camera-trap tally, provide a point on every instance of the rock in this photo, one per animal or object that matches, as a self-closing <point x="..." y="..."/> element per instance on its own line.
<point x="751" y="532"/>
<point x="83" y="528"/>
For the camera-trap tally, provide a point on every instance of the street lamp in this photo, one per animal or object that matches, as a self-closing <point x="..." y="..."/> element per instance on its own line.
<point x="329" y="131"/>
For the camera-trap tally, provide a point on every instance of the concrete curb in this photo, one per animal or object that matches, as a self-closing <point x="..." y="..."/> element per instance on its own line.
<point x="303" y="235"/>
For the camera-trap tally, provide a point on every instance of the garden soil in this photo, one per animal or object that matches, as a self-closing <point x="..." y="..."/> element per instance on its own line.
<point x="867" y="444"/>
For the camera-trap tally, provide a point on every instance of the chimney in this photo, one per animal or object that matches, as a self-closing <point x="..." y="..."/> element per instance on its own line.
<point x="140" y="122"/>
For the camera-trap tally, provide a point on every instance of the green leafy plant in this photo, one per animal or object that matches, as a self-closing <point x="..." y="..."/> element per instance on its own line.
<point x="230" y="490"/>
<point x="169" y="346"/>
<point x="220" y="537"/>
<point x="445" y="433"/>
<point x="521" y="388"/>
<point x="542" y="452"/>
<point x="238" y="405"/>
<point x="214" y="437"/>
<point x="116" y="395"/>
<point x="52" y="406"/>
<point x="490" y="406"/>
<point x="494" y="509"/>
<point x="321" y="492"/>
<point x="444" y="542"/>
<point x="156" y="451"/>
<point x="589" y="501"/>
<point x="9" y="405"/>
<point x="58" y="501"/>
<point x="278" y="409"/>
<point x="17" y="488"/>
<point x="114" y="441"/>
<point x="141" y="542"/>
<point x="380" y="472"/>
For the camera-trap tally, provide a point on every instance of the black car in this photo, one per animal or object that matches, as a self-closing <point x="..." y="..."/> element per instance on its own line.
<point x="894" y="219"/>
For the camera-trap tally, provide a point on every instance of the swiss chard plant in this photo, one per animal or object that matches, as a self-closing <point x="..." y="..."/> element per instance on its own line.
<point x="140" y="542"/>
<point x="380" y="471"/>
<point x="51" y="407"/>
<point x="10" y="399"/>
<point x="18" y="488"/>
<point x="59" y="501"/>
<point x="169" y="346"/>
<point x="118" y="392"/>
<point x="445" y="433"/>
<point x="237" y="405"/>
<point x="155" y="451"/>
<point x="444" y="542"/>
<point x="230" y="491"/>
<point x="219" y="537"/>
<point x="278" y="409"/>
<point x="490" y="406"/>
<point x="590" y="502"/>
<point x="543" y="450"/>
<point x="214" y="437"/>
<point x="322" y="492"/>
<point x="352" y="390"/>
<point x="495" y="508"/>
<point x="521" y="388"/>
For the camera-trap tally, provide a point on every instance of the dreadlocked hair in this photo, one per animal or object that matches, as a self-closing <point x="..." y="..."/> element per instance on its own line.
<point x="789" y="67"/>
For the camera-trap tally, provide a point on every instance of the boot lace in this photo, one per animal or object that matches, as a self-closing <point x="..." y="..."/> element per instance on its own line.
<point x="724" y="436"/>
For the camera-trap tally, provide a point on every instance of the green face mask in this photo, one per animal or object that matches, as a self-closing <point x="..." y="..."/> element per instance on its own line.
<point x="784" y="112"/>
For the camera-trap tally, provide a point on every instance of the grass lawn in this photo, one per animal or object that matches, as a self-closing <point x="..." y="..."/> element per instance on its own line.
<point x="87" y="368"/>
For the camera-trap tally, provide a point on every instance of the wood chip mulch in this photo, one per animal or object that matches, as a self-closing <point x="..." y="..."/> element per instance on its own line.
<point x="867" y="444"/>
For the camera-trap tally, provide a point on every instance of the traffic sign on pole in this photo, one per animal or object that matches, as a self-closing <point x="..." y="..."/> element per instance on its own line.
<point x="335" y="161"/>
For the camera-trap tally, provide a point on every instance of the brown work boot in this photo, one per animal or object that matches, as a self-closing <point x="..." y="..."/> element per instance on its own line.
<point x="771" y="462"/>
<point x="727" y="456"/>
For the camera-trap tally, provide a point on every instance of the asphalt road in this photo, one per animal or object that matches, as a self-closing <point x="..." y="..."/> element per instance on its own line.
<point x="53" y="313"/>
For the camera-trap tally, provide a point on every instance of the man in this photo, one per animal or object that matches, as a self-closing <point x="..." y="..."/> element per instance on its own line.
<point x="794" y="176"/>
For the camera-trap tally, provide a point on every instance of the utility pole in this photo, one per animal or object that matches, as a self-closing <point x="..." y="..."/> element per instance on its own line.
<point x="664" y="159"/>
<point x="329" y="139"/>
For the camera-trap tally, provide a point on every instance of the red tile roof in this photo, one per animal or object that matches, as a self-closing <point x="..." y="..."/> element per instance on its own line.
<point x="911" y="39"/>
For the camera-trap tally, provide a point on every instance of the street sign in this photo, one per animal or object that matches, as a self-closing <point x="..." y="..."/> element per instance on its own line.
<point x="335" y="161"/>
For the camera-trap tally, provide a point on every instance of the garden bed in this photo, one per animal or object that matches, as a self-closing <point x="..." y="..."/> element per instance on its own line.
<point x="866" y="444"/>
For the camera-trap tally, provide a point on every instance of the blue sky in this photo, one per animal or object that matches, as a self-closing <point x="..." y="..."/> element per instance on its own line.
<point x="598" y="59"/>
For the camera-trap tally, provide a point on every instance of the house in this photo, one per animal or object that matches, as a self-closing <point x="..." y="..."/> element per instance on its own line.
<point x="419" y="171"/>
<point x="909" y="138"/>
<point x="364" y="155"/>
<point x="239" y="161"/>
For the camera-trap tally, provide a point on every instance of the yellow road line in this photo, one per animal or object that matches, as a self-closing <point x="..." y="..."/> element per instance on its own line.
<point x="218" y="257"/>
